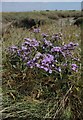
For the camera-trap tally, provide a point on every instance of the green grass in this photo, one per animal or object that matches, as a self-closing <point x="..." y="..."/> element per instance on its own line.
<point x="39" y="15"/>
<point x="44" y="17"/>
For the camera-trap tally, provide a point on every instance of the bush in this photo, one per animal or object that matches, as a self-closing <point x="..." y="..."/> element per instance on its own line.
<point x="45" y="59"/>
<point x="79" y="21"/>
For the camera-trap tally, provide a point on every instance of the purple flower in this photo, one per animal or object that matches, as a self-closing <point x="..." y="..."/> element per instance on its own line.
<point x="63" y="54"/>
<point x="58" y="69"/>
<point x="48" y="58"/>
<point x="74" y="67"/>
<point x="26" y="43"/>
<point x="45" y="68"/>
<point x="57" y="36"/>
<point x="76" y="59"/>
<point x="27" y="39"/>
<point x="52" y="65"/>
<point x="13" y="48"/>
<point x="37" y="65"/>
<point x="25" y="58"/>
<point x="38" y="55"/>
<point x="69" y="46"/>
<point x="36" y="30"/>
<point x="19" y="52"/>
<point x="51" y="57"/>
<point x="76" y="44"/>
<point x="23" y="48"/>
<point x="44" y="35"/>
<point x="65" y="64"/>
<point x="73" y="44"/>
<point x="64" y="47"/>
<point x="31" y="42"/>
<point x="46" y="42"/>
<point x="34" y="42"/>
<point x="50" y="71"/>
<point x="45" y="64"/>
<point x="31" y="64"/>
<point x="56" y="49"/>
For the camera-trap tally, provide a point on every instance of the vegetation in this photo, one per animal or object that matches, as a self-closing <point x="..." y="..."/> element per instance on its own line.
<point x="42" y="66"/>
<point x="28" y="19"/>
<point x="79" y="21"/>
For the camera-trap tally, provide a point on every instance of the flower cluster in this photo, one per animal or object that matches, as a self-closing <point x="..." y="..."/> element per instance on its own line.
<point x="31" y="42"/>
<point x="43" y="61"/>
<point x="53" y="59"/>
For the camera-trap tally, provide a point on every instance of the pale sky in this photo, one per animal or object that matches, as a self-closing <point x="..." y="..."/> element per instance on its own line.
<point x="8" y="5"/>
<point x="41" y="0"/>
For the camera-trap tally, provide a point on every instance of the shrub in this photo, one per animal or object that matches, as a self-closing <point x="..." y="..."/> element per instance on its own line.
<point x="79" y="21"/>
<point x="48" y="57"/>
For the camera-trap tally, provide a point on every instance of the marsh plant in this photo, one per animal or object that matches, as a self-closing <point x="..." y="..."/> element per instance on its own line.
<point x="49" y="54"/>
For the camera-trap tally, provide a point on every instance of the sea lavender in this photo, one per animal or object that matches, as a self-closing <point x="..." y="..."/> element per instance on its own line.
<point x="36" y="30"/>
<point x="44" y="35"/>
<point x="74" y="67"/>
<point x="56" y="49"/>
<point x="46" y="42"/>
<point x="13" y="48"/>
<point x="31" y="42"/>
